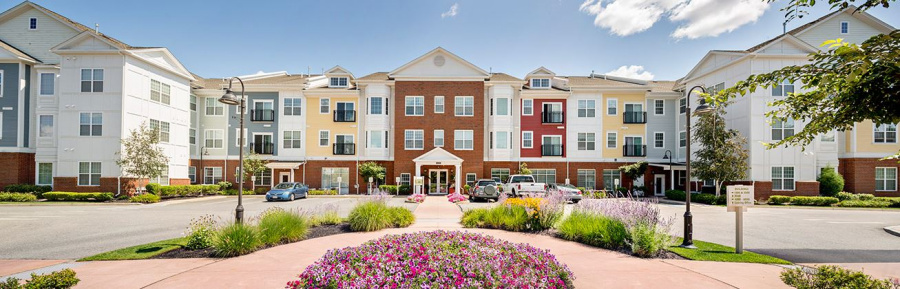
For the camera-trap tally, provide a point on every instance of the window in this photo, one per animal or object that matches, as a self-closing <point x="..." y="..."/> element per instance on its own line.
<point x="527" y="139"/>
<point x="92" y="80"/>
<point x="885" y="179"/>
<point x="163" y="178"/>
<point x="546" y="176"/>
<point x="540" y="83"/>
<point x="783" y="89"/>
<point x="46" y="123"/>
<point x="611" y="140"/>
<point x="48" y="81"/>
<point x="32" y="23"/>
<point x="527" y="107"/>
<point x="782" y="129"/>
<point x="376" y="106"/>
<point x="659" y="107"/>
<point x="439" y="138"/>
<point x="682" y="105"/>
<point x="214" y="107"/>
<point x="682" y="139"/>
<point x="782" y="178"/>
<point x="193" y="103"/>
<point x="827" y="137"/>
<point x="612" y="106"/>
<point x="404" y="179"/>
<point x="414" y="139"/>
<point x="415" y="105"/>
<point x="713" y="90"/>
<point x="292" y="139"/>
<point x="587" y="179"/>
<point x="160" y="92"/>
<point x="161" y="128"/>
<point x="263" y="178"/>
<point x="439" y="104"/>
<point x="462" y="140"/>
<point x="192" y="136"/>
<point x="845" y="27"/>
<point x="465" y="106"/>
<point x="89" y="173"/>
<point x="212" y="175"/>
<point x="293" y="106"/>
<point x="376" y="139"/>
<point x="214" y="138"/>
<point x="551" y="145"/>
<point x="91" y="124"/>
<point x="471" y="178"/>
<point x="886" y="133"/>
<point x="323" y="138"/>
<point x="501" y="140"/>
<point x="503" y="174"/>
<point x="45" y="174"/>
<point x="610" y="178"/>
<point x="192" y="174"/>
<point x="586" y="108"/>
<point x="324" y="105"/>
<point x="502" y="106"/>
<point x="585" y="141"/>
<point x="659" y="140"/>
<point x="338" y="82"/>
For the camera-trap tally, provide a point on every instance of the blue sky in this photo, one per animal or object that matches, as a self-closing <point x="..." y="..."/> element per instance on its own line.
<point x="224" y="38"/>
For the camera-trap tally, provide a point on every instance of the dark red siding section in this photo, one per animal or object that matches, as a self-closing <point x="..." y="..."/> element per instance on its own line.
<point x="535" y="124"/>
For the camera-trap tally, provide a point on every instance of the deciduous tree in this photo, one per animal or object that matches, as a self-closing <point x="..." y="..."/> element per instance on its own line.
<point x="140" y="156"/>
<point x="723" y="155"/>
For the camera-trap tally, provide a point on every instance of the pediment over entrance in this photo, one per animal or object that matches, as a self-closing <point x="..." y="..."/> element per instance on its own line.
<point x="439" y="64"/>
<point x="438" y="156"/>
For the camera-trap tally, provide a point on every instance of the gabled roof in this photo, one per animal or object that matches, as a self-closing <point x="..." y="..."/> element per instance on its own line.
<point x="497" y="76"/>
<point x="438" y="155"/>
<point x="65" y="20"/>
<point x="540" y="71"/>
<point x="794" y="31"/>
<point x="19" y="53"/>
<point x="440" y="50"/>
<point x="338" y="70"/>
<point x="375" y="76"/>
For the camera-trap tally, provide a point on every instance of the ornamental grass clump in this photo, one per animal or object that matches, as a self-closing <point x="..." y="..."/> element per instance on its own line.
<point x="594" y="229"/>
<point x="236" y="239"/>
<point x="277" y="225"/>
<point x="324" y="215"/>
<point x="201" y="233"/>
<point x="376" y="215"/>
<point x="437" y="259"/>
<point x="595" y="222"/>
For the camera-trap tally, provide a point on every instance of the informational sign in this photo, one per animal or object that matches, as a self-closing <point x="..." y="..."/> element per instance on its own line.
<point x="418" y="184"/>
<point x="740" y="196"/>
<point x="420" y="181"/>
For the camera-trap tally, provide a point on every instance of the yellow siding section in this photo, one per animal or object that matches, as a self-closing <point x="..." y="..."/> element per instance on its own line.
<point x="865" y="140"/>
<point x="317" y="121"/>
<point x="616" y="123"/>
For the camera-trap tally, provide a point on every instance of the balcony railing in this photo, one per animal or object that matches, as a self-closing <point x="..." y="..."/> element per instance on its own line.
<point x="553" y="117"/>
<point x="344" y="149"/>
<point x="264" y="148"/>
<point x="635" y="150"/>
<point x="262" y="114"/>
<point x="344" y="116"/>
<point x="635" y="117"/>
<point x="552" y="150"/>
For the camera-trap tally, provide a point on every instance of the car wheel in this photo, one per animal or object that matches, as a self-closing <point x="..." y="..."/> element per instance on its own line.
<point x="292" y="197"/>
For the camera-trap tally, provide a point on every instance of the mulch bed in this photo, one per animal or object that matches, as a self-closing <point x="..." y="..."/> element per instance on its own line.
<point x="314" y="232"/>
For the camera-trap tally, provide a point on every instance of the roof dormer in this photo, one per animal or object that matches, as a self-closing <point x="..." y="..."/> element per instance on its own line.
<point x="541" y="78"/>
<point x="338" y="77"/>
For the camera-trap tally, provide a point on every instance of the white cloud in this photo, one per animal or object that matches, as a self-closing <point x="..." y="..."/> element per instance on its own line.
<point x="452" y="12"/>
<point x="632" y="71"/>
<point x="701" y="18"/>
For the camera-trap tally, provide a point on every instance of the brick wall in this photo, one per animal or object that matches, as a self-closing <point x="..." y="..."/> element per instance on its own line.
<point x="18" y="168"/>
<point x="107" y="185"/>
<point x="560" y="168"/>
<point x="859" y="175"/>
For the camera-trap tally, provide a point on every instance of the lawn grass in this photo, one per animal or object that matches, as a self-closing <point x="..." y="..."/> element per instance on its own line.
<point x="720" y="253"/>
<point x="139" y="252"/>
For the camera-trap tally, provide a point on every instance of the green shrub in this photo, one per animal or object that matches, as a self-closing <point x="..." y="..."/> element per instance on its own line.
<point x="323" y="192"/>
<point x="893" y="201"/>
<point x="210" y="189"/>
<point x="261" y="190"/>
<point x="675" y="195"/>
<point x="830" y="182"/>
<point x="224" y="186"/>
<point x="648" y="240"/>
<point x="709" y="199"/>
<point x="277" y="225"/>
<point x="866" y="197"/>
<point x="329" y="217"/>
<point x="236" y="239"/>
<point x="390" y="189"/>
<point x="830" y="276"/>
<point x="68" y="196"/>
<point x="594" y="230"/>
<point x="844" y="196"/>
<point x="510" y="218"/>
<point x="864" y="204"/>
<point x="474" y="218"/>
<point x="153" y="188"/>
<point x="369" y="216"/>
<point x="813" y="201"/>
<point x="201" y="233"/>
<point x="404" y="190"/>
<point x="56" y="280"/>
<point x="145" y="198"/>
<point x="230" y="192"/>
<point x="778" y="200"/>
<point x="17" y="197"/>
<point x="37" y="190"/>
<point x="401" y="217"/>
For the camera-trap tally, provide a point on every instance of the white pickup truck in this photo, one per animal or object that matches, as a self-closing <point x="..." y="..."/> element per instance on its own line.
<point x="523" y="185"/>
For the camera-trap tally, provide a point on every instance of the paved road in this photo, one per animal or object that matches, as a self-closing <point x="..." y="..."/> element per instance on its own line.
<point x="75" y="231"/>
<point x="799" y="235"/>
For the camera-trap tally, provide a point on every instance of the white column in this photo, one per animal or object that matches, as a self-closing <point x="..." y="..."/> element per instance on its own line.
<point x="272" y="178"/>
<point x="292" y="174"/>
<point x="671" y="179"/>
<point x="458" y="178"/>
<point x="413" y="178"/>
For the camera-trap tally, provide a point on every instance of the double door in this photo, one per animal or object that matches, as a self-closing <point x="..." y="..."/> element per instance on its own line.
<point x="438" y="181"/>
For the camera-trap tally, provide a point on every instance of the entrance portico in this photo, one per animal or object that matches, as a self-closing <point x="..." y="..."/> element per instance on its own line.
<point x="441" y="157"/>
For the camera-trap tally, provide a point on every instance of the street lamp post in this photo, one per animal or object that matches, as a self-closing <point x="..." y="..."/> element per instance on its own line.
<point x="230" y="99"/>
<point x="668" y="156"/>
<point x="688" y="240"/>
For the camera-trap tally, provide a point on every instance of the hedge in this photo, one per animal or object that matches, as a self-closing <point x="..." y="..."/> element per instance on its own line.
<point x="69" y="196"/>
<point x="390" y="189"/>
<point x="145" y="198"/>
<point x="864" y="204"/>
<point x="813" y="201"/>
<point x="17" y="197"/>
<point x="778" y="200"/>
<point x="27" y="188"/>
<point x="322" y="192"/>
<point x="709" y="199"/>
<point x="893" y="201"/>
<point x="182" y="191"/>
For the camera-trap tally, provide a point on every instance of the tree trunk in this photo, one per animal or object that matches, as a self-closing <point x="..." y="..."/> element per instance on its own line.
<point x="718" y="188"/>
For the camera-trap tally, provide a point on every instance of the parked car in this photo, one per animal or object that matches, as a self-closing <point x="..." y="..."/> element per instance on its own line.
<point x="523" y="185"/>
<point x="485" y="189"/>
<point x="287" y="192"/>
<point x="570" y="192"/>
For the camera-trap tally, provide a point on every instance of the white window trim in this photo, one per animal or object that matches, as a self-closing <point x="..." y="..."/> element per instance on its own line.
<point x="91" y="124"/>
<point x="404" y="139"/>
<point x="523" y="139"/>
<point x="885" y="131"/>
<point x="92" y="80"/>
<point x="614" y="100"/>
<point x="319" y="138"/>
<point x="532" y="106"/>
<point x="549" y="83"/>
<point x="352" y="138"/>
<point x="284" y="138"/>
<point x="339" y="81"/>
<point x="895" y="179"/>
<point x="552" y="136"/>
<point x="663" y="139"/>
<point x="3" y="84"/>
<point x="771" y="179"/>
<point x="679" y="138"/>
<point x="455" y="113"/>
<point x="443" y="104"/>
<point x="328" y="111"/>
<point x="606" y="140"/>
<point x="578" y="145"/>
<point x="663" y="106"/>
<point x="36" y="24"/>
<point x="284" y="108"/>
<point x="681" y="112"/>
<point x="78" y="179"/>
<point x="497" y="106"/>
<point x="508" y="141"/>
<point x="237" y="137"/>
<point x="41" y="83"/>
<point x="52" y="126"/>
<point x="369" y="108"/>
<point x="206" y="137"/>
<point x="423" y="105"/>
<point x="37" y="173"/>
<point x="464" y="149"/>
<point x="408" y="177"/>
<point x="578" y="108"/>
<point x="206" y="111"/>
<point x="443" y="138"/>
<point x="841" y="27"/>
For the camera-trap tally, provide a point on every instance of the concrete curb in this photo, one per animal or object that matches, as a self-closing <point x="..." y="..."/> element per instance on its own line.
<point x="346" y="196"/>
<point x="893" y="230"/>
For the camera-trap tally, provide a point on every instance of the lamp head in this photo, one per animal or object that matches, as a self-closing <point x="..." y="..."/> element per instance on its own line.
<point x="229" y="98"/>
<point x="703" y="108"/>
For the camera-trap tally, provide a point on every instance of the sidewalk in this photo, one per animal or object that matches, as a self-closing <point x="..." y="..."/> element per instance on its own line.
<point x="273" y="267"/>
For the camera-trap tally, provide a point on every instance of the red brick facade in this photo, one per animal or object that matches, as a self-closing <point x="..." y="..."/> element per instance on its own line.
<point x="107" y="185"/>
<point x="859" y="175"/>
<point x="561" y="169"/>
<point x="534" y="123"/>
<point x="19" y="168"/>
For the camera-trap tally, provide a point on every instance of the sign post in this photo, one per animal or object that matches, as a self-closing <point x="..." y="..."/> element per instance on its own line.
<point x="419" y="182"/>
<point x="739" y="198"/>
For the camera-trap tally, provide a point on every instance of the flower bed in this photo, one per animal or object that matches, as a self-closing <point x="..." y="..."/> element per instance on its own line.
<point x="438" y="259"/>
<point x="456" y="198"/>
<point x="415" y="198"/>
<point x="517" y="214"/>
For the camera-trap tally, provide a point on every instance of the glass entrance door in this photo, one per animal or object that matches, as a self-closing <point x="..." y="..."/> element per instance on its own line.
<point x="438" y="181"/>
